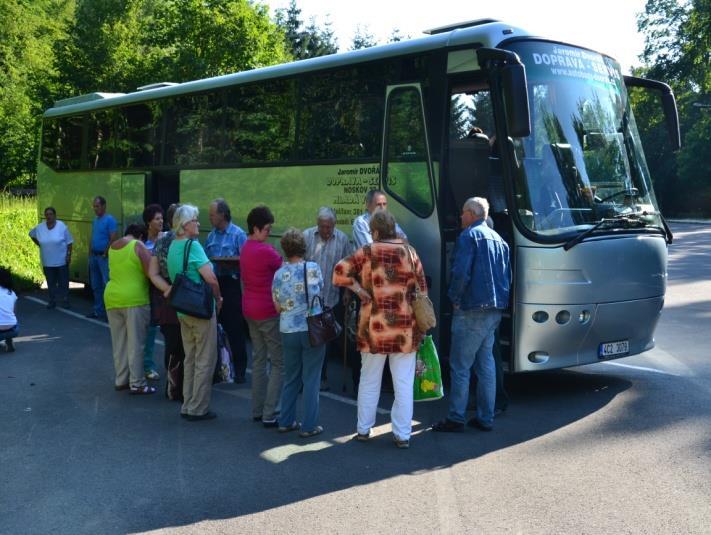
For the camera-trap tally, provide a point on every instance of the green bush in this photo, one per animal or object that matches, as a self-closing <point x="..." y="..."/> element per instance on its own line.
<point x="17" y="251"/>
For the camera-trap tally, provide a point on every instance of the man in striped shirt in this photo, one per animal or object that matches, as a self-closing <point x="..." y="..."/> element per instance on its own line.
<point x="326" y="245"/>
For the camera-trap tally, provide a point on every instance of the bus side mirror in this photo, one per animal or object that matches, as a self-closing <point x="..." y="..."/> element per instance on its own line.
<point x="672" y="119"/>
<point x="668" y="105"/>
<point x="513" y="81"/>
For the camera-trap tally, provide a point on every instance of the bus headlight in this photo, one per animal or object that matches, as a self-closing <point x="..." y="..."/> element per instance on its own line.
<point x="562" y="317"/>
<point x="584" y="316"/>
<point x="540" y="316"/>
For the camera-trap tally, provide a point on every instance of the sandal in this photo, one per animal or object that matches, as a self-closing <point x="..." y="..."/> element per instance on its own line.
<point x="152" y="375"/>
<point x="315" y="431"/>
<point x="362" y="437"/>
<point x="142" y="390"/>
<point x="293" y="427"/>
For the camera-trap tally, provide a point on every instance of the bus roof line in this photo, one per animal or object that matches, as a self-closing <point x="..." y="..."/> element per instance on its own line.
<point x="488" y="34"/>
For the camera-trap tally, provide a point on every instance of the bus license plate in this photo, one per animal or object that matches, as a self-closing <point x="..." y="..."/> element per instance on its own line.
<point x="612" y="349"/>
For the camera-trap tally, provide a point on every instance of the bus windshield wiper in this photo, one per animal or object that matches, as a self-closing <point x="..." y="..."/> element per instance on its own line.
<point x="668" y="236"/>
<point x="619" y="221"/>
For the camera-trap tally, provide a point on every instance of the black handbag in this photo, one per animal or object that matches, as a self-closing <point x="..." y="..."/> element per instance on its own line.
<point x="322" y="327"/>
<point x="189" y="297"/>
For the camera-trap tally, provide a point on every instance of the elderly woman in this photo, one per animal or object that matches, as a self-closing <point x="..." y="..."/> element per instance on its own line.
<point x="127" y="307"/>
<point x="55" y="243"/>
<point x="163" y="315"/>
<point x="385" y="275"/>
<point x="302" y="363"/>
<point x="199" y="335"/>
<point x="258" y="263"/>
<point x="153" y="220"/>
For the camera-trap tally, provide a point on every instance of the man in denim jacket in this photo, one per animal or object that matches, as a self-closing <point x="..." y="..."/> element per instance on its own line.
<point x="479" y="291"/>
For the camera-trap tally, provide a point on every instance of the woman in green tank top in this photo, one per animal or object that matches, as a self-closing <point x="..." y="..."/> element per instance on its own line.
<point x="127" y="307"/>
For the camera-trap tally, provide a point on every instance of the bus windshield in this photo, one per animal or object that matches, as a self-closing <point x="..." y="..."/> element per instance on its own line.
<point x="583" y="161"/>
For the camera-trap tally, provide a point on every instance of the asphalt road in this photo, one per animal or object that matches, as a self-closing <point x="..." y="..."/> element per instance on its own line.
<point x="618" y="447"/>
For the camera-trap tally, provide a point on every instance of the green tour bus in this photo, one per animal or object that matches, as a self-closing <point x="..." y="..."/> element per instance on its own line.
<point x="559" y="158"/>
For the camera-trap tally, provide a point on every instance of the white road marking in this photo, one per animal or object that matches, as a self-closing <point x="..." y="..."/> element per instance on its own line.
<point x="641" y="368"/>
<point x="245" y="394"/>
<point x="329" y="395"/>
<point x="349" y="401"/>
<point x="76" y="315"/>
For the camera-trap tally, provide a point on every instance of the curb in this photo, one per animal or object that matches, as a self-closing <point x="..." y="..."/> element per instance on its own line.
<point x="690" y="221"/>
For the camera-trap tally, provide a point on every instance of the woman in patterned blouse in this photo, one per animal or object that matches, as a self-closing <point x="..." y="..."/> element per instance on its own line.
<point x="385" y="275"/>
<point x="302" y="363"/>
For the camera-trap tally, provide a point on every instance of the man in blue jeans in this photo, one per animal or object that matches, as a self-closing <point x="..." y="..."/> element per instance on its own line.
<point x="479" y="290"/>
<point x="103" y="233"/>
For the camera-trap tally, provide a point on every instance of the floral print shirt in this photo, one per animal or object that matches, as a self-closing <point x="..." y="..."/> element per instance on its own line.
<point x="288" y="292"/>
<point x="388" y="272"/>
<point x="160" y="250"/>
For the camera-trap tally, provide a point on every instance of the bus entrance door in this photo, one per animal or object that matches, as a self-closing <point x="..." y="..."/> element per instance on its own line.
<point x="407" y="176"/>
<point x="133" y="198"/>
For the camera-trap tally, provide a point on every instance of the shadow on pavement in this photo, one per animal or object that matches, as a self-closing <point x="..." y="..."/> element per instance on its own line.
<point x="80" y="457"/>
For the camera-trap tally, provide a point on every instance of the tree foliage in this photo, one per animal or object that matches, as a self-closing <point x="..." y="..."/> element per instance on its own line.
<point x="308" y="41"/>
<point x="28" y="70"/>
<point x="678" y="51"/>
<point x="363" y="38"/>
<point x="118" y="45"/>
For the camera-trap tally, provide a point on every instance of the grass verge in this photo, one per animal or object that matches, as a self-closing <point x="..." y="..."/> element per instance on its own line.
<point x="17" y="251"/>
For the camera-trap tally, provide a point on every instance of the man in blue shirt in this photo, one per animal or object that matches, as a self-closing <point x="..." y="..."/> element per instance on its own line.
<point x="479" y="289"/>
<point x="222" y="247"/>
<point x="374" y="200"/>
<point x="103" y="234"/>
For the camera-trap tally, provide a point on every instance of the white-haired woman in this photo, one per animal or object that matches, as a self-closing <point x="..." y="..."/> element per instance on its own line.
<point x="199" y="335"/>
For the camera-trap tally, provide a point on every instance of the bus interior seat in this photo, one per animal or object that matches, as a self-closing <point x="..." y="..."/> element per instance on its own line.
<point x="468" y="172"/>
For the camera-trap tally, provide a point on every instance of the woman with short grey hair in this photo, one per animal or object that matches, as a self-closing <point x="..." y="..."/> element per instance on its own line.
<point x="385" y="275"/>
<point x="184" y="215"/>
<point x="199" y="335"/>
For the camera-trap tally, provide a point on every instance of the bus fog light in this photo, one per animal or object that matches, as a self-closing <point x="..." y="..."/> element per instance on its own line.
<point x="538" y="357"/>
<point x="584" y="316"/>
<point x="562" y="317"/>
<point x="540" y="316"/>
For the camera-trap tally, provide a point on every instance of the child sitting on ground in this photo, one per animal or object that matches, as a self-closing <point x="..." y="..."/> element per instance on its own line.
<point x="8" y="320"/>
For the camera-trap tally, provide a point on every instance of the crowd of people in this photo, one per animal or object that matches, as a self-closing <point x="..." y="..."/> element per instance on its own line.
<point x="254" y="286"/>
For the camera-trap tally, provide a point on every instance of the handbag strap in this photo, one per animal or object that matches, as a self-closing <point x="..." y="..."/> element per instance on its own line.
<point x="186" y="254"/>
<point x="306" y="289"/>
<point x="310" y="306"/>
<point x="412" y="267"/>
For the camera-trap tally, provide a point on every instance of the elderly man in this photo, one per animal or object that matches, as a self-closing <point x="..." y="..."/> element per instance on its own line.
<point x="222" y="247"/>
<point x="326" y="245"/>
<point x="375" y="199"/>
<point x="479" y="290"/>
<point x="103" y="233"/>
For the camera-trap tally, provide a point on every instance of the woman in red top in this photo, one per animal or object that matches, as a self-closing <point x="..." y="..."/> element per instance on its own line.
<point x="385" y="275"/>
<point x="258" y="263"/>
